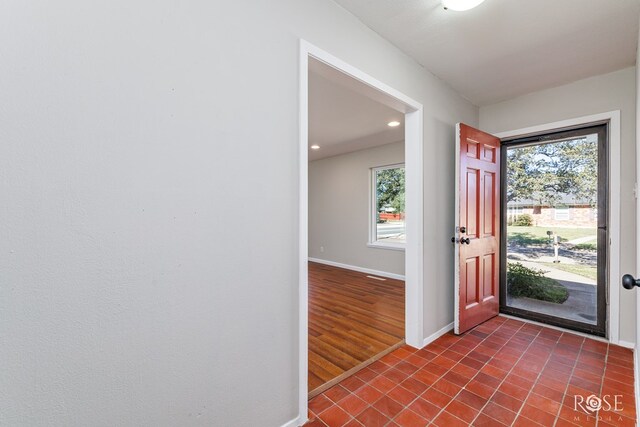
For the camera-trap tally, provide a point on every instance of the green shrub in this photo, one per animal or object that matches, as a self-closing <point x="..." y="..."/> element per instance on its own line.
<point x="528" y="282"/>
<point x="586" y="246"/>
<point x="524" y="220"/>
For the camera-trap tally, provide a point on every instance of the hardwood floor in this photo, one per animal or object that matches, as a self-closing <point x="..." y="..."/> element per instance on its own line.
<point x="353" y="320"/>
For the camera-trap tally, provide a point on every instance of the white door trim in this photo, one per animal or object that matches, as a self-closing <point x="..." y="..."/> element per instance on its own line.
<point x="414" y="301"/>
<point x="613" y="117"/>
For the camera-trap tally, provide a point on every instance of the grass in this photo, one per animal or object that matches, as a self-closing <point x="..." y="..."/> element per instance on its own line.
<point x="531" y="283"/>
<point x="586" y="246"/>
<point x="538" y="235"/>
<point x="590" y="272"/>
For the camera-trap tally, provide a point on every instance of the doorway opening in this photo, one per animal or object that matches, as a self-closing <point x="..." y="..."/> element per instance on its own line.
<point x="357" y="232"/>
<point x="556" y="215"/>
<point x="410" y="114"/>
<point x="554" y="222"/>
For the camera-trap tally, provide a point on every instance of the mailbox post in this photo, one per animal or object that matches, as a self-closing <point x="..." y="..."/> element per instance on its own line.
<point x="556" y="245"/>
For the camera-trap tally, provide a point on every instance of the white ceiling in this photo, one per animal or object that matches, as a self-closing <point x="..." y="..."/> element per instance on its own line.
<point x="342" y="119"/>
<point x="506" y="48"/>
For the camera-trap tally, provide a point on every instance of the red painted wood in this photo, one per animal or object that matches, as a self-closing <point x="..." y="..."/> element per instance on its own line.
<point x="480" y="215"/>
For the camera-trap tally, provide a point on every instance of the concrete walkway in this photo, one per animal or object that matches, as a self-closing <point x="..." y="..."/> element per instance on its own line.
<point x="581" y="304"/>
<point x="554" y="273"/>
<point x="582" y="240"/>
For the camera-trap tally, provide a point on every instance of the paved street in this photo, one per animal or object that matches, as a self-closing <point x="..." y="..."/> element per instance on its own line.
<point x="390" y="229"/>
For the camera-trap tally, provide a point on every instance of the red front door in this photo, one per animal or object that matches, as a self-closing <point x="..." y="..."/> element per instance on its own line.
<point x="477" y="238"/>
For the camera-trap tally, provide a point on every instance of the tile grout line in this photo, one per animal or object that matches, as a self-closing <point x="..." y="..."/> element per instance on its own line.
<point x="606" y="362"/>
<point x="566" y="389"/>
<point x="564" y="393"/>
<point x="463" y="356"/>
<point x="484" y="364"/>
<point x="447" y="371"/>
<point x="504" y="379"/>
<point x="477" y="373"/>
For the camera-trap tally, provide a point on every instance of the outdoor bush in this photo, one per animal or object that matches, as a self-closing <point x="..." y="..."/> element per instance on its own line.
<point x="586" y="246"/>
<point x="524" y="220"/>
<point x="529" y="282"/>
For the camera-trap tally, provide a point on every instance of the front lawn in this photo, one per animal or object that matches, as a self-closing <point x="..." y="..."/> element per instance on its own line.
<point x="590" y="272"/>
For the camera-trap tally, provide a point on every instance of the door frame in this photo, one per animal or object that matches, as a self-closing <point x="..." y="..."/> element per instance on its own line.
<point x="602" y="130"/>
<point x="414" y="248"/>
<point x="613" y="261"/>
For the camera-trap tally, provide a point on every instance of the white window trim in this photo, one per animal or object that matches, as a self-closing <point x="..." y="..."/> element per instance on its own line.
<point x="373" y="229"/>
<point x="563" y="209"/>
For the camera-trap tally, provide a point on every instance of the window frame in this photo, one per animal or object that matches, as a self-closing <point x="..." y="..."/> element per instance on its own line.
<point x="373" y="241"/>
<point x="564" y="211"/>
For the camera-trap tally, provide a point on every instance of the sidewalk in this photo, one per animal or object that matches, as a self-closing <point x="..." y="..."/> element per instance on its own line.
<point x="581" y="304"/>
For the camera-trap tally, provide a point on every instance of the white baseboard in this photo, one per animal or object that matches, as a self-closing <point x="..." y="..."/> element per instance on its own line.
<point x="626" y="344"/>
<point x="431" y="338"/>
<point x="296" y="422"/>
<point x="358" y="269"/>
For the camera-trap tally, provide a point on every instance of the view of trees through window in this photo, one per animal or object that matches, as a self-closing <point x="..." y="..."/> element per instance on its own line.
<point x="552" y="231"/>
<point x="390" y="204"/>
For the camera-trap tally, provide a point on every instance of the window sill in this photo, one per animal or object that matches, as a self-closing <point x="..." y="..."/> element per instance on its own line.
<point x="390" y="246"/>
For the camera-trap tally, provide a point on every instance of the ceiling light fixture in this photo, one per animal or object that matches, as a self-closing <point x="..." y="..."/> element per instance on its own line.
<point x="393" y="123"/>
<point x="460" y="5"/>
<point x="315" y="147"/>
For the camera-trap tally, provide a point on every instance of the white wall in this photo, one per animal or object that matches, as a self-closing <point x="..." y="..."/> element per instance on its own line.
<point x="613" y="91"/>
<point x="149" y="187"/>
<point x="636" y="271"/>
<point x="339" y="209"/>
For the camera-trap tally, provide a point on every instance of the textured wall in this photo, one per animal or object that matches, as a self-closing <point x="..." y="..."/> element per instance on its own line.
<point x="129" y="130"/>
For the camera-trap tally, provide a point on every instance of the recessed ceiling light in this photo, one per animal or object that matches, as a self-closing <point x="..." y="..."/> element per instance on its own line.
<point x="393" y="123"/>
<point x="460" y="5"/>
<point x="315" y="147"/>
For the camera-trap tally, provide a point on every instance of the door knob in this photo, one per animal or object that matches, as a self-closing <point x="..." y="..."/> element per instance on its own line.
<point x="628" y="281"/>
<point x="462" y="240"/>
<point x="463" y="229"/>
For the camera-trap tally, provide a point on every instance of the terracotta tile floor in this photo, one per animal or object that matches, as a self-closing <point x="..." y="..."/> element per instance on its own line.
<point x="504" y="372"/>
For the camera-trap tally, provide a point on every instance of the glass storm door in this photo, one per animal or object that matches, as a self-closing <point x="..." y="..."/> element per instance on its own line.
<point x="554" y="228"/>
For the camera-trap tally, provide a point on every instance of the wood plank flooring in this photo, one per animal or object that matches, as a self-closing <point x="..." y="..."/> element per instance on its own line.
<point x="353" y="320"/>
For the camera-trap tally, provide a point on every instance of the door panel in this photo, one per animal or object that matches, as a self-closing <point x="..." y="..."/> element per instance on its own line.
<point x="489" y="281"/>
<point x="472" y="214"/>
<point x="477" y="228"/>
<point x="490" y="203"/>
<point x="471" y="294"/>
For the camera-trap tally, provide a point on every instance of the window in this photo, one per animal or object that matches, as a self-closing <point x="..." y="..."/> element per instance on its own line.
<point x="561" y="213"/>
<point x="387" y="228"/>
<point x="516" y="210"/>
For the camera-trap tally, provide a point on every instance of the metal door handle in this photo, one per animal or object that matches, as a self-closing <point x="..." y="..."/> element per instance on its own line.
<point x="628" y="281"/>
<point x="462" y="240"/>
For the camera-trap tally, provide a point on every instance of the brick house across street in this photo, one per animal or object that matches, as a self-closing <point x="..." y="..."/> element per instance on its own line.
<point x="569" y="212"/>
